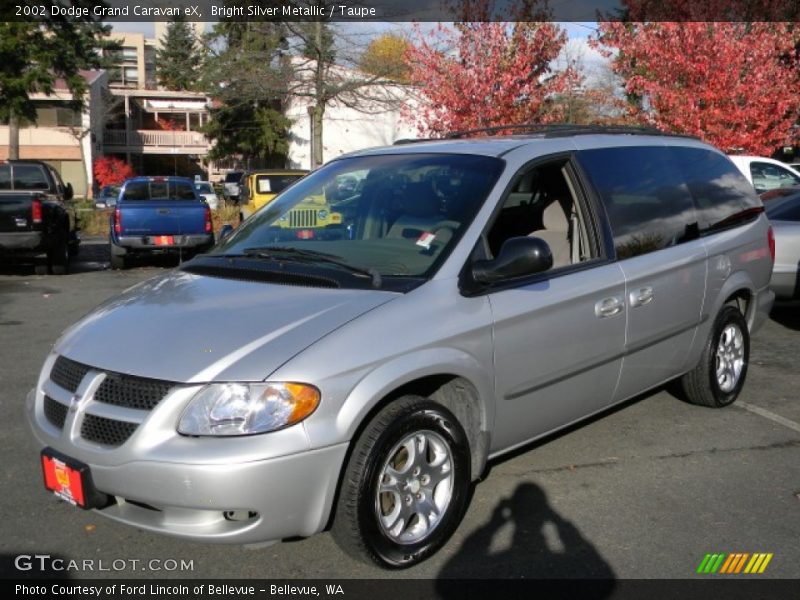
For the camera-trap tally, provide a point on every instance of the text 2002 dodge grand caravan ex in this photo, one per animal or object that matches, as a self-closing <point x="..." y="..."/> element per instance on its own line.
<point x="477" y="295"/>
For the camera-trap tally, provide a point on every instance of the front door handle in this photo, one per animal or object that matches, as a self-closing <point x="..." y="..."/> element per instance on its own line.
<point x="608" y="307"/>
<point x="641" y="296"/>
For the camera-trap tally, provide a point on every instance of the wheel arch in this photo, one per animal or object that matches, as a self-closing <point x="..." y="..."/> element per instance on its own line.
<point x="449" y="377"/>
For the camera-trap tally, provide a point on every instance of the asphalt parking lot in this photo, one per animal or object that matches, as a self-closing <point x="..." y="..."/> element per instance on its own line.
<point x="643" y="492"/>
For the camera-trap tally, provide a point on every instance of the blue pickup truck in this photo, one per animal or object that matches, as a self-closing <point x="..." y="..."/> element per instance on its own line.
<point x="159" y="215"/>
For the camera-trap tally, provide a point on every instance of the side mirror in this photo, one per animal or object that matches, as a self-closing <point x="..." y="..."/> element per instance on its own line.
<point x="225" y="231"/>
<point x="518" y="256"/>
<point x="68" y="192"/>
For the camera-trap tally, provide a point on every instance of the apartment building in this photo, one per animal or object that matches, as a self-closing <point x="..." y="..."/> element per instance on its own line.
<point x="69" y="140"/>
<point x="156" y="130"/>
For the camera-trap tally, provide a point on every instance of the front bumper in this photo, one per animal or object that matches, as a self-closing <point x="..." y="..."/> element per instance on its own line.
<point x="234" y="500"/>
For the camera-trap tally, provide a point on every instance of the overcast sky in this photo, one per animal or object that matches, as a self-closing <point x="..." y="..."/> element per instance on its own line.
<point x="578" y="34"/>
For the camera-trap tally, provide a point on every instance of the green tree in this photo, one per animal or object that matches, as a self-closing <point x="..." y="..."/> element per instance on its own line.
<point x="245" y="74"/>
<point x="178" y="59"/>
<point x="34" y="55"/>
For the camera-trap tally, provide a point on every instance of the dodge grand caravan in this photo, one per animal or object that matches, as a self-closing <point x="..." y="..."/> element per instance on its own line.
<point x="479" y="294"/>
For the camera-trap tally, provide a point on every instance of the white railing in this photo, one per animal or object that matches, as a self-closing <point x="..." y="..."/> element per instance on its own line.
<point x="155" y="138"/>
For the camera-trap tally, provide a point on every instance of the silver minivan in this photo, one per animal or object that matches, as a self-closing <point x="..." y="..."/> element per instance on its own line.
<point x="463" y="298"/>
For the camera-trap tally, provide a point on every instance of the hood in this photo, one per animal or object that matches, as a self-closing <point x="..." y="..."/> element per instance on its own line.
<point x="193" y="328"/>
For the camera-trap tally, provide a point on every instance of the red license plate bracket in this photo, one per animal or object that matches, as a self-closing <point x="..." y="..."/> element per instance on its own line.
<point x="70" y="480"/>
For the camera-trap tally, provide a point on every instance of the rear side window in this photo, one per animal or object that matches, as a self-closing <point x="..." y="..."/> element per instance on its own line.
<point x="648" y="204"/>
<point x="30" y="177"/>
<point x="723" y="195"/>
<point x="767" y="176"/>
<point x="5" y="177"/>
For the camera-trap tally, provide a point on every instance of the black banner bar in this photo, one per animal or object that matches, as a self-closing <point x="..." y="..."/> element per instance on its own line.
<point x="407" y="10"/>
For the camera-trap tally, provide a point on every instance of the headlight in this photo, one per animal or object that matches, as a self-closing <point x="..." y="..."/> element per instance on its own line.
<point x="247" y="408"/>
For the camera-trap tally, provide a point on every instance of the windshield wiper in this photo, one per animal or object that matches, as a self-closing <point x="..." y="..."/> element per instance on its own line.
<point x="299" y="254"/>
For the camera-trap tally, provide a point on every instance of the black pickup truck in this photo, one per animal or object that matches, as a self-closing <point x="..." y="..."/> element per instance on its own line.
<point x="35" y="223"/>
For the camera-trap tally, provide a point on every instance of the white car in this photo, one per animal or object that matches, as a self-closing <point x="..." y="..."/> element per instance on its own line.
<point x="766" y="173"/>
<point x="206" y="191"/>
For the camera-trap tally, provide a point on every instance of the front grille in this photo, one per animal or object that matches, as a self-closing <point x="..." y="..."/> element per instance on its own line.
<point x="55" y="412"/>
<point x="68" y="374"/>
<point x="132" y="392"/>
<point x="106" y="431"/>
<point x="303" y="217"/>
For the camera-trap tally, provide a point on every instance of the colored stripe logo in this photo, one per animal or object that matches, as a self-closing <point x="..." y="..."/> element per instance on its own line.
<point x="734" y="563"/>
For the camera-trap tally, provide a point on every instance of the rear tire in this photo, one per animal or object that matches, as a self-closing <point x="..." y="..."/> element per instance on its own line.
<point x="719" y="376"/>
<point x="58" y="257"/>
<point x="117" y="260"/>
<point x="406" y="485"/>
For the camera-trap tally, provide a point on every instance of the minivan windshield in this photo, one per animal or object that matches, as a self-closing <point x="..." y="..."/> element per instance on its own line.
<point x="391" y="215"/>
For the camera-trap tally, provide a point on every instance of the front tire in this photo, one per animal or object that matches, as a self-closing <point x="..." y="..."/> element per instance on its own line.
<point x="719" y="377"/>
<point x="406" y="485"/>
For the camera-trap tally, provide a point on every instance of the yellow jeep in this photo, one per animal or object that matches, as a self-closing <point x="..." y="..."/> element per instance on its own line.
<point x="261" y="187"/>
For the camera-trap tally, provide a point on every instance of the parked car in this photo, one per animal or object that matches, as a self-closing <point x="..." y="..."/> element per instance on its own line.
<point x="482" y="294"/>
<point x="230" y="187"/>
<point x="784" y="214"/>
<point x="107" y="196"/>
<point x="206" y="191"/>
<point x="159" y="215"/>
<point x="36" y="224"/>
<point x="259" y="188"/>
<point x="766" y="173"/>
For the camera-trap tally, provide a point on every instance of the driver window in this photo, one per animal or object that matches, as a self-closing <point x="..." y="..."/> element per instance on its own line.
<point x="543" y="204"/>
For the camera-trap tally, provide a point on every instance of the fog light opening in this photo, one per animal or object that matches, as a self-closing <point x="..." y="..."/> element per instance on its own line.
<point x="239" y="515"/>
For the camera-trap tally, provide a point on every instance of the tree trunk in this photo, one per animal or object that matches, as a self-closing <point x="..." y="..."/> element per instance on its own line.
<point x="319" y="107"/>
<point x="13" y="136"/>
<point x="316" y="143"/>
<point x="87" y="191"/>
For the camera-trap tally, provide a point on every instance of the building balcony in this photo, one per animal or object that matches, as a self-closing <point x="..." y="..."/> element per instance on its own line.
<point x="156" y="141"/>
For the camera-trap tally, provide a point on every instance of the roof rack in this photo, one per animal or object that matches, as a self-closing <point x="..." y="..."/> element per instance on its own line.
<point x="563" y="129"/>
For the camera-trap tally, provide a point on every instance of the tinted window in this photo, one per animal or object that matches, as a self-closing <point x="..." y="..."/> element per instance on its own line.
<point x="233" y="177"/>
<point x="136" y="190"/>
<point x="723" y="195"/>
<point x="273" y="184"/>
<point x="5" y="177"/>
<point x="785" y="210"/>
<point x="30" y="177"/>
<point x="646" y="199"/>
<point x="767" y="176"/>
<point x="182" y="190"/>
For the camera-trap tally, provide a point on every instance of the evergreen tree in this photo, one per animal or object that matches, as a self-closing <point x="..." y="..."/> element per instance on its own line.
<point x="178" y="59"/>
<point x="34" y="55"/>
<point x="246" y="74"/>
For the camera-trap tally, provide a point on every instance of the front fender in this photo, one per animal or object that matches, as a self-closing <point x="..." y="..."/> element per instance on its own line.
<point x="390" y="376"/>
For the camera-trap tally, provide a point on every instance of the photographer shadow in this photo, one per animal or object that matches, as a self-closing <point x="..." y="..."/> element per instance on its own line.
<point x="543" y="545"/>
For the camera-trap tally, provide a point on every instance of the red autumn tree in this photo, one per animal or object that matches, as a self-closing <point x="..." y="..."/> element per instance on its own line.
<point x="481" y="74"/>
<point x="735" y="85"/>
<point x="109" y="170"/>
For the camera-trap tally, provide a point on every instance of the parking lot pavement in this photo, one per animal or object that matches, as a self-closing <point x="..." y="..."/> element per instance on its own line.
<point x="645" y="491"/>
